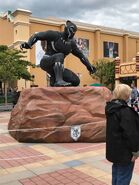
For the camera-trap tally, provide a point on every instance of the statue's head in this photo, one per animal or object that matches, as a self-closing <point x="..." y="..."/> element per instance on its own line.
<point x="70" y="29"/>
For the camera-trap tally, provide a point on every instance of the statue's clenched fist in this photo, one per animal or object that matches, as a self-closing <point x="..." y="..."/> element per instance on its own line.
<point x="25" y="45"/>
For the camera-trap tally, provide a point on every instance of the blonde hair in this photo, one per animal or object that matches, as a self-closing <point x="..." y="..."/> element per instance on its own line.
<point x="122" y="91"/>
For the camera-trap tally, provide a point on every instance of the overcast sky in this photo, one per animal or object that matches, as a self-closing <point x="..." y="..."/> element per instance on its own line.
<point x="122" y="14"/>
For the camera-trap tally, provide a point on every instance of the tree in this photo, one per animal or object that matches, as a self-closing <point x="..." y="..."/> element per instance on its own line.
<point x="13" y="66"/>
<point x="105" y="72"/>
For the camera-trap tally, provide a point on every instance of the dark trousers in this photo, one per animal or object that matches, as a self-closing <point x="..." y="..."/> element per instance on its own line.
<point x="122" y="174"/>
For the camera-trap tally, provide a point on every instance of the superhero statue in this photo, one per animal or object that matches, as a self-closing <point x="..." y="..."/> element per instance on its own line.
<point x="59" y="45"/>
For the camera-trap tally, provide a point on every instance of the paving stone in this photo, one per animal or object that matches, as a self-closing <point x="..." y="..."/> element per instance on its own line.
<point x="48" y="169"/>
<point x="73" y="163"/>
<point x="13" y="183"/>
<point x="16" y="176"/>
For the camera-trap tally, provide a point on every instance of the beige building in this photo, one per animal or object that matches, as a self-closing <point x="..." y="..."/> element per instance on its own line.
<point x="96" y="42"/>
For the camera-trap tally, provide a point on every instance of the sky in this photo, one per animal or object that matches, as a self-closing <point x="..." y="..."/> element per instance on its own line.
<point x="121" y="14"/>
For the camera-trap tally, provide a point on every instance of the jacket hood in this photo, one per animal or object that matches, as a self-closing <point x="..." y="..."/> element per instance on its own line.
<point x="114" y="105"/>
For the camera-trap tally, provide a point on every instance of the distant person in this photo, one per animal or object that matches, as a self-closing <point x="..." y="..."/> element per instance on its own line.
<point x="134" y="97"/>
<point x="122" y="135"/>
<point x="59" y="45"/>
<point x="16" y="95"/>
<point x="1" y="93"/>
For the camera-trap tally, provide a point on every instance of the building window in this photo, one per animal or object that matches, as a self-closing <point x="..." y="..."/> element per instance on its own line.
<point x="83" y="45"/>
<point x="110" y="49"/>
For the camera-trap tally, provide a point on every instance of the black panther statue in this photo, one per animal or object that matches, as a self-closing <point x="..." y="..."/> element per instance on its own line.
<point x="59" y="45"/>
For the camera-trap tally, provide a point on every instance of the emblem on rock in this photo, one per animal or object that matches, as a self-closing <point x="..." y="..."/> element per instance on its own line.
<point x="75" y="132"/>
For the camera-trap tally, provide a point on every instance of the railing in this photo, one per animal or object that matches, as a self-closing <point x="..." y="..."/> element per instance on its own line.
<point x="127" y="68"/>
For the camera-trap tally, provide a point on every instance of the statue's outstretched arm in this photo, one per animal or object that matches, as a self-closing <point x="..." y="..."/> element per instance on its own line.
<point x="47" y="35"/>
<point x="78" y="53"/>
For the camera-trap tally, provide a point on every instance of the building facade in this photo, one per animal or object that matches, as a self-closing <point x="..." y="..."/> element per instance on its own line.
<point x="96" y="42"/>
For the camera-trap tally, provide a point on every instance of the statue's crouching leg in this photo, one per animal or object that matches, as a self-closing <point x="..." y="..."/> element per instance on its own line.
<point x="58" y="71"/>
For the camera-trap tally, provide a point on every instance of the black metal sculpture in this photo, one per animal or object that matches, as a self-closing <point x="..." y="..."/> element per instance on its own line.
<point x="59" y="45"/>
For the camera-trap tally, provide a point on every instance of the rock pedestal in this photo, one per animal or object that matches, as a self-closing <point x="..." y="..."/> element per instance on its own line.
<point x="60" y="114"/>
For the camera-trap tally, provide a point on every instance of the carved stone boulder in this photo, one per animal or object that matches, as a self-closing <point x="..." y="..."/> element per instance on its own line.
<point x="60" y="114"/>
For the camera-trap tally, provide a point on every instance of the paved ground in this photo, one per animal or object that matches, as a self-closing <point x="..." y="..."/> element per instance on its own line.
<point x="53" y="164"/>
